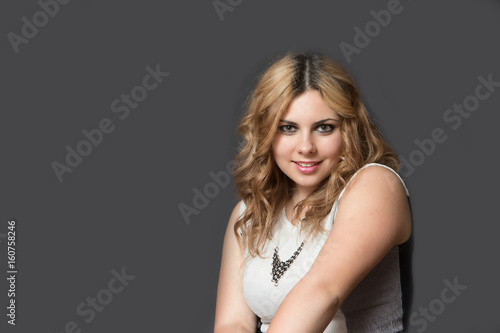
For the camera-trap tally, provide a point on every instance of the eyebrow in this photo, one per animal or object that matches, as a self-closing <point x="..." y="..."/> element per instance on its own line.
<point x="316" y="123"/>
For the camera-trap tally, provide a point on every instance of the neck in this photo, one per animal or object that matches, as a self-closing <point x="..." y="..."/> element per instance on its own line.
<point x="289" y="210"/>
<point x="298" y="195"/>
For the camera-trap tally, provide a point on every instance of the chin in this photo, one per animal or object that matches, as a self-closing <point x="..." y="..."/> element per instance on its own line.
<point x="309" y="184"/>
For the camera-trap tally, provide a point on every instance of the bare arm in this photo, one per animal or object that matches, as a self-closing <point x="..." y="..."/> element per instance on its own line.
<point x="232" y="314"/>
<point x="373" y="217"/>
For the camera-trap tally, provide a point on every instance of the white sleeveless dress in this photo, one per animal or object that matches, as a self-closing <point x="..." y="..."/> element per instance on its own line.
<point x="264" y="298"/>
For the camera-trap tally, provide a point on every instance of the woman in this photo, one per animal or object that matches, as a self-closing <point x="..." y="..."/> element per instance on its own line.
<point x="313" y="246"/>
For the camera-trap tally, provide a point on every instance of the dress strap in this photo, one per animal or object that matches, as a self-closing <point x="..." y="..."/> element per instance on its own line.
<point x="370" y="164"/>
<point x="242" y="207"/>
<point x="337" y="202"/>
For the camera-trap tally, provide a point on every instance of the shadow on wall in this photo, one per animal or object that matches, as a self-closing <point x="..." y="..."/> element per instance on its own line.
<point x="406" y="269"/>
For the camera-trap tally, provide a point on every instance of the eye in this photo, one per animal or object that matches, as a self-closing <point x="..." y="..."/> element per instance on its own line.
<point x="325" y="128"/>
<point x="287" y="129"/>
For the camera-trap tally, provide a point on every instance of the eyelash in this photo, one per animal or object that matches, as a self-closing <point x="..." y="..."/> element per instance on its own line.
<point x="284" y="130"/>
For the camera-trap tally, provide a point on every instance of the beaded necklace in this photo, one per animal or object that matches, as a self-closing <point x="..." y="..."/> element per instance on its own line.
<point x="280" y="267"/>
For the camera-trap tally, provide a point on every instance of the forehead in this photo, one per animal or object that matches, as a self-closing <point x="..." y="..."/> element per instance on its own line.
<point x="309" y="106"/>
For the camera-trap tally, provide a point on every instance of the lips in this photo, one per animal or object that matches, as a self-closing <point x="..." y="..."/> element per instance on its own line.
<point x="307" y="166"/>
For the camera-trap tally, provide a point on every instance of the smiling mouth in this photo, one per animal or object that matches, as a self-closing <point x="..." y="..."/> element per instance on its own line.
<point x="306" y="165"/>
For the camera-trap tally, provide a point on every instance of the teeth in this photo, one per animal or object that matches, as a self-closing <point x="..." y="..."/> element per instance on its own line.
<point x="307" y="165"/>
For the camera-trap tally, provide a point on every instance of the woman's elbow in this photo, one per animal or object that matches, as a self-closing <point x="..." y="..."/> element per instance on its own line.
<point x="233" y="328"/>
<point x="330" y="295"/>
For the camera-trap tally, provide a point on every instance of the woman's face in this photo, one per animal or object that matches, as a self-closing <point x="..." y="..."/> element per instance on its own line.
<point x="307" y="145"/>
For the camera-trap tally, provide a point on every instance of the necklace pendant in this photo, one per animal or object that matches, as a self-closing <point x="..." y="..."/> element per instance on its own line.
<point x="280" y="267"/>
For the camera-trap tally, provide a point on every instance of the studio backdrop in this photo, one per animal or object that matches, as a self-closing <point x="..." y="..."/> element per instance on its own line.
<point x="118" y="134"/>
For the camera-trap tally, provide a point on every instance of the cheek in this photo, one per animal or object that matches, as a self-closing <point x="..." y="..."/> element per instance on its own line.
<point x="280" y="147"/>
<point x="274" y="148"/>
<point x="333" y="148"/>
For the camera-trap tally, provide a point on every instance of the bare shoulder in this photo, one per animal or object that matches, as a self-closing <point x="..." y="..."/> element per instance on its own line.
<point x="235" y="213"/>
<point x="379" y="176"/>
<point x="232" y="310"/>
<point x="379" y="193"/>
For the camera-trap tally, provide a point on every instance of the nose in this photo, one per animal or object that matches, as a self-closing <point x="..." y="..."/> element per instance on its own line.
<point x="306" y="144"/>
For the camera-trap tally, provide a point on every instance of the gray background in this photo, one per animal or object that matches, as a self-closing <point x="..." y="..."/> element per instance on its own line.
<point x="120" y="206"/>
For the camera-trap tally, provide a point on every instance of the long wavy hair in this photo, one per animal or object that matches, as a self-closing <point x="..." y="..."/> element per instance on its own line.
<point x="262" y="186"/>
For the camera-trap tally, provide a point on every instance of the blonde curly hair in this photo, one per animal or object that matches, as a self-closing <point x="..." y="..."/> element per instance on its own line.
<point x="262" y="186"/>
